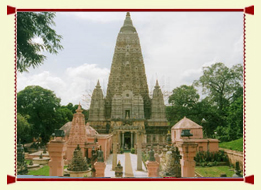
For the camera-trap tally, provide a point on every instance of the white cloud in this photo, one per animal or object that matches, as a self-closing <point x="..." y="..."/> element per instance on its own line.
<point x="71" y="87"/>
<point x="44" y="79"/>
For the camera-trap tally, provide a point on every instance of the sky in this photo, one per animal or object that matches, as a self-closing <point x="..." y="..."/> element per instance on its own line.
<point x="175" y="47"/>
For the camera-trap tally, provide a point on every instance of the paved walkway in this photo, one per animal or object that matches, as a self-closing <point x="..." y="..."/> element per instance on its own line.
<point x="129" y="163"/>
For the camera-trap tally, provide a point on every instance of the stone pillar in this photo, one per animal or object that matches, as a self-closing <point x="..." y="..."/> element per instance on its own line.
<point x="152" y="167"/>
<point x="99" y="167"/>
<point x="131" y="139"/>
<point x="122" y="140"/>
<point x="188" y="150"/>
<point x="119" y="138"/>
<point x="56" y="149"/>
<point x="145" y="139"/>
<point x="139" y="152"/>
<point x="114" y="148"/>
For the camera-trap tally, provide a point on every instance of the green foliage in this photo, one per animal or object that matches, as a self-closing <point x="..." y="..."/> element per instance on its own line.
<point x="24" y="129"/>
<point x="233" y="145"/>
<point x="121" y="150"/>
<point x="133" y="150"/>
<point x="39" y="113"/>
<point x="29" y="26"/>
<point x="184" y="103"/>
<point x="214" y="171"/>
<point x="206" y="156"/>
<point x="42" y="106"/>
<point x="42" y="171"/>
<point x="220" y="113"/>
<point x="73" y="109"/>
<point x="235" y="119"/>
<point x="220" y="82"/>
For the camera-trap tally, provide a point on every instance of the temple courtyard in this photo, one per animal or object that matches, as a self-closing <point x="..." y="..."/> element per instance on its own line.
<point x="129" y="163"/>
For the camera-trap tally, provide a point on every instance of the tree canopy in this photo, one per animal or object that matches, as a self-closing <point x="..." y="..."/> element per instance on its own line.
<point x="29" y="26"/>
<point x="183" y="101"/>
<point x="41" y="106"/>
<point x="39" y="113"/>
<point x="220" y="112"/>
<point x="220" y="82"/>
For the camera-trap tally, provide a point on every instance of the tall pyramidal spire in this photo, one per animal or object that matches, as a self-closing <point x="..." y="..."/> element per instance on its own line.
<point x="157" y="105"/>
<point x="96" y="112"/>
<point x="127" y="70"/>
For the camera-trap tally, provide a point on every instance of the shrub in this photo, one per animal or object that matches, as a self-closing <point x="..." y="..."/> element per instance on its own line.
<point x="121" y="150"/>
<point x="133" y="150"/>
<point x="207" y="156"/>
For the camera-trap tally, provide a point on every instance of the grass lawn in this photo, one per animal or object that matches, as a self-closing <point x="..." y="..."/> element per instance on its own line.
<point x="42" y="171"/>
<point x="214" y="171"/>
<point x="233" y="145"/>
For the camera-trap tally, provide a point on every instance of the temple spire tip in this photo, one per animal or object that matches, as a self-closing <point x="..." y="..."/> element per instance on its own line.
<point x="157" y="82"/>
<point x="98" y="84"/>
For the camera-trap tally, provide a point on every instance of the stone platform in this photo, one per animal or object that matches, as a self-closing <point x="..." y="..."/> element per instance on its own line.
<point x="41" y="161"/>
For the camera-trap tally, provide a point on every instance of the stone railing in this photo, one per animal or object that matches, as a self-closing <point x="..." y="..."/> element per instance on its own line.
<point x="234" y="156"/>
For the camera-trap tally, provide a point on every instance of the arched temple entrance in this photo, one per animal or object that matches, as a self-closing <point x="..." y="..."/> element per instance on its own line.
<point x="127" y="141"/>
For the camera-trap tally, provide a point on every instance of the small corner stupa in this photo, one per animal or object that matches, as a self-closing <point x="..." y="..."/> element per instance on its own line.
<point x="78" y="134"/>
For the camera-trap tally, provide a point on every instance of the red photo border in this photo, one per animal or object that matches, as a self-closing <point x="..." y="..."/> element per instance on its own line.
<point x="246" y="10"/>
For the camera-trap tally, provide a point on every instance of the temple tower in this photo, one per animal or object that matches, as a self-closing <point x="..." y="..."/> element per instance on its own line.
<point x="158" y="112"/>
<point x="127" y="110"/>
<point x="96" y="112"/>
<point x="78" y="134"/>
<point x="127" y="77"/>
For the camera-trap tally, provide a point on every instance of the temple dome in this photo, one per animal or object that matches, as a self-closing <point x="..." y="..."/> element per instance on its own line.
<point x="89" y="130"/>
<point x="66" y="128"/>
<point x="186" y="123"/>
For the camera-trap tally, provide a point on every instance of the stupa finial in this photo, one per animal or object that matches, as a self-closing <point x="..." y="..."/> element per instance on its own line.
<point x="157" y="82"/>
<point x="79" y="109"/>
<point x="98" y="84"/>
<point x="127" y="21"/>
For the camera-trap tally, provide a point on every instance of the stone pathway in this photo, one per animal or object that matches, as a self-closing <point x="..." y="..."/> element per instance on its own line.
<point x="128" y="168"/>
<point x="129" y="163"/>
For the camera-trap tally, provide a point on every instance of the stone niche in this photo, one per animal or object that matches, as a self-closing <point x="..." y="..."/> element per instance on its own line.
<point x="127" y="106"/>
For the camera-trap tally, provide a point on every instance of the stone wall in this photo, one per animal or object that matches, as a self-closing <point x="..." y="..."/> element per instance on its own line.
<point x="234" y="156"/>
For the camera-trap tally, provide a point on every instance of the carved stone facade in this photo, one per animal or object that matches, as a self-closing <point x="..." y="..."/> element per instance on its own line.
<point x="97" y="105"/>
<point x="127" y="107"/>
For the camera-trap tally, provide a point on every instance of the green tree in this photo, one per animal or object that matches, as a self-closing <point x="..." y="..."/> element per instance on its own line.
<point x="184" y="96"/>
<point x="63" y="115"/>
<point x="23" y="129"/>
<point x="222" y="86"/>
<point x="183" y="102"/>
<point x="235" y="119"/>
<point x="41" y="105"/>
<point x="219" y="83"/>
<point x="73" y="109"/>
<point x="29" y="26"/>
